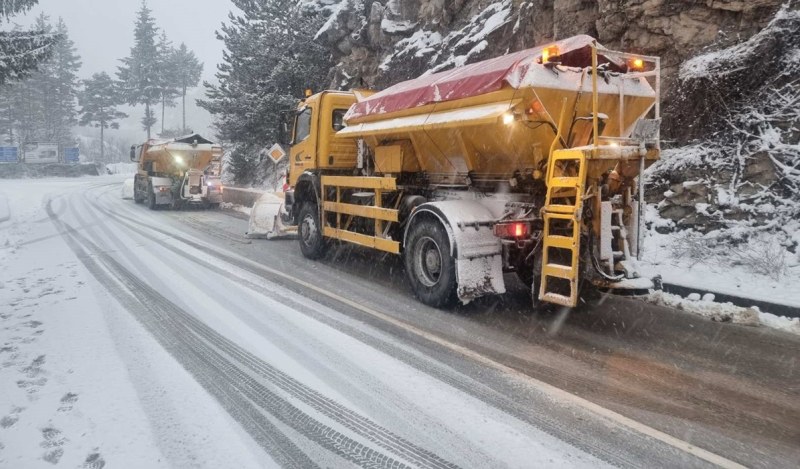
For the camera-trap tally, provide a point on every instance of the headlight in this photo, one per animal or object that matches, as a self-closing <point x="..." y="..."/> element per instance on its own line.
<point x="178" y="159"/>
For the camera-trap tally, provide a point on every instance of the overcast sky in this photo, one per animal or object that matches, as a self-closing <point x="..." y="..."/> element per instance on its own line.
<point x="103" y="33"/>
<point x="103" y="29"/>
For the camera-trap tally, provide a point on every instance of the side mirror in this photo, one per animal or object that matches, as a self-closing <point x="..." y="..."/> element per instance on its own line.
<point x="133" y="152"/>
<point x="284" y="134"/>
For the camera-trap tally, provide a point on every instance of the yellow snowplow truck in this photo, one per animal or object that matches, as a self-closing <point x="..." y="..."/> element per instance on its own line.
<point x="525" y="163"/>
<point x="173" y="173"/>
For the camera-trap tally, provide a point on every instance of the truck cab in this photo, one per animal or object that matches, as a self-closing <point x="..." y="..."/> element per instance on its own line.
<point x="314" y="144"/>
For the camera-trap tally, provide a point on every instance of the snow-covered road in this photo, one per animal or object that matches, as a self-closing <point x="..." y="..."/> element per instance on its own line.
<point x="132" y="338"/>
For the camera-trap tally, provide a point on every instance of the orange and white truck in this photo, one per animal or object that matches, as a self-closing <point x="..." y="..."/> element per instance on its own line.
<point x="177" y="172"/>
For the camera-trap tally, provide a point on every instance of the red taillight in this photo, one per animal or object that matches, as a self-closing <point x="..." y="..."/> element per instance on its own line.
<point x="512" y="230"/>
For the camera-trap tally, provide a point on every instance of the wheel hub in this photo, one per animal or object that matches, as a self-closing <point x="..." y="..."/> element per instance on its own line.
<point x="432" y="261"/>
<point x="308" y="229"/>
<point x="428" y="262"/>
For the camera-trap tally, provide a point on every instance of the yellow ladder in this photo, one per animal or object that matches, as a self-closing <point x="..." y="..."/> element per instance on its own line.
<point x="562" y="227"/>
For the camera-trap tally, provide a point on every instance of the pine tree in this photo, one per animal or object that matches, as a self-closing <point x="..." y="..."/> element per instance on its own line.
<point x="167" y="77"/>
<point x="62" y="78"/>
<point x="41" y="108"/>
<point x="188" y="71"/>
<point x="7" y="115"/>
<point x="269" y="61"/>
<point x="98" y="100"/>
<point x="9" y="8"/>
<point x="138" y="74"/>
<point x="21" y="51"/>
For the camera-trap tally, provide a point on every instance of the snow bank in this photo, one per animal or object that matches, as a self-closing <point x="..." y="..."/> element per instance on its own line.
<point x="724" y="312"/>
<point x="235" y="208"/>
<point x="720" y="312"/>
<point x="121" y="168"/>
<point x="780" y="322"/>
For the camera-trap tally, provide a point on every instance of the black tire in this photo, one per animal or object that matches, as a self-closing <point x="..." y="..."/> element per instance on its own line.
<point x="176" y="203"/>
<point x="430" y="267"/>
<point x="137" y="196"/>
<point x="151" y="197"/>
<point x="309" y="232"/>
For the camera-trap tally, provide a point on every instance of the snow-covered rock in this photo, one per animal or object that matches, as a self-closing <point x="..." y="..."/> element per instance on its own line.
<point x="735" y="182"/>
<point x="369" y="38"/>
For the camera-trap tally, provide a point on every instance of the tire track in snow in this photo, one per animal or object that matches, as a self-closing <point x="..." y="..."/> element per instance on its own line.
<point x="197" y="338"/>
<point x="628" y="424"/>
<point x="243" y="410"/>
<point x="586" y="439"/>
<point x="646" y="448"/>
<point x="328" y="407"/>
<point x="380" y="399"/>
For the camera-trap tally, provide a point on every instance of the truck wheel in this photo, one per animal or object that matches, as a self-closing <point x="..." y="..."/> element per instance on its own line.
<point x="430" y="267"/>
<point x="151" y="198"/>
<point x="309" y="231"/>
<point x="137" y="196"/>
<point x="176" y="204"/>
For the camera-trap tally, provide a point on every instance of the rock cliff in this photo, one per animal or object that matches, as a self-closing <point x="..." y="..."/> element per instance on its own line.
<point x="377" y="43"/>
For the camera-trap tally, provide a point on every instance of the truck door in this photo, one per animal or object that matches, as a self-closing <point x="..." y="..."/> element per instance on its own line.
<point x="304" y="140"/>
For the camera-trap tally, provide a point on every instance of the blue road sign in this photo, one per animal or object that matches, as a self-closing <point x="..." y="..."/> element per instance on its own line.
<point x="9" y="155"/>
<point x="72" y="155"/>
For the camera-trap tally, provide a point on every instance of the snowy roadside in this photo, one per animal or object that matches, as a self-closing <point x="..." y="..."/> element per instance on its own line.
<point x="752" y="270"/>
<point x="235" y="208"/>
<point x="81" y="384"/>
<point x="5" y="212"/>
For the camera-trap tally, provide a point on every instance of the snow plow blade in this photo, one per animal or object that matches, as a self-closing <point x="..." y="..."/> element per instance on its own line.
<point x="126" y="192"/>
<point x="269" y="218"/>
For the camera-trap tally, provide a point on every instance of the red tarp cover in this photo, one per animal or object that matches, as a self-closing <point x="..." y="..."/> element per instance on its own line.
<point x="462" y="82"/>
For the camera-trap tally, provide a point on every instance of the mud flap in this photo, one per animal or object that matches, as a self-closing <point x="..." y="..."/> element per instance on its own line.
<point x="478" y="277"/>
<point x="478" y="253"/>
<point x="479" y="262"/>
<point x="267" y="218"/>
